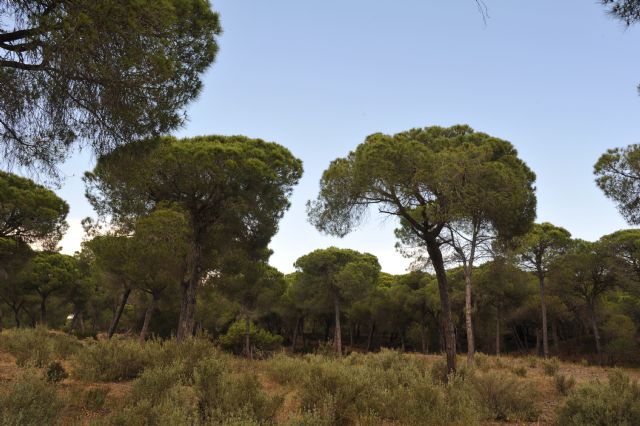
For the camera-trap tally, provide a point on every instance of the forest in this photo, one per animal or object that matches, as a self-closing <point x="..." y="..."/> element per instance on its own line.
<point x="171" y="313"/>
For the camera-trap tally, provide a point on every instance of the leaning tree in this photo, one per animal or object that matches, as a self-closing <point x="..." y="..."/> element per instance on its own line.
<point x="225" y="185"/>
<point x="433" y="179"/>
<point x="103" y="72"/>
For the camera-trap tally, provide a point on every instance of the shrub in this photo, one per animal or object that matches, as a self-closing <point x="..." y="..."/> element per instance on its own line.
<point x="519" y="371"/>
<point x="95" y="398"/>
<point x="55" y="373"/>
<point x="115" y="360"/>
<point x="185" y="355"/>
<point x="260" y="338"/>
<point x="29" y="401"/>
<point x="564" y="384"/>
<point x="221" y="395"/>
<point x="481" y="361"/>
<point x="502" y="397"/>
<point x="532" y="361"/>
<point x="286" y="369"/>
<point x="614" y="403"/>
<point x="153" y="383"/>
<point x="37" y="346"/>
<point x="550" y="366"/>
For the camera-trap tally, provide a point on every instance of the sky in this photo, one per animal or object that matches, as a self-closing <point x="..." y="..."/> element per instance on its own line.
<point x="556" y="78"/>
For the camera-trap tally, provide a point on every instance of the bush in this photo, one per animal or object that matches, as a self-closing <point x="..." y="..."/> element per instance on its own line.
<point x="502" y="397"/>
<point x="564" y="384"/>
<point x="29" y="401"/>
<point x="55" y="373"/>
<point x="95" y="398"/>
<point x="260" y="338"/>
<point x="115" y="360"/>
<point x="153" y="383"/>
<point x="614" y="403"/>
<point x="550" y="366"/>
<point x="519" y="371"/>
<point x="185" y="355"/>
<point x="532" y="361"/>
<point x="37" y="347"/>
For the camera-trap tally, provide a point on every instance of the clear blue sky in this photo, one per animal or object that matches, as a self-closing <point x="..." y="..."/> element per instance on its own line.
<point x="556" y="78"/>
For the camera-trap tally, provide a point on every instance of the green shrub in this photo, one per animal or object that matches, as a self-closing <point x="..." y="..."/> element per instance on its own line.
<point x="614" y="403"/>
<point x="550" y="366"/>
<point x="95" y="398"/>
<point x="221" y="395"/>
<point x="115" y="360"/>
<point x="519" y="371"/>
<point x="531" y="361"/>
<point x="37" y="347"/>
<point x="286" y="369"/>
<point x="185" y="355"/>
<point x="55" y="373"/>
<point x="481" y="361"/>
<point x="564" y="384"/>
<point x="153" y="383"/>
<point x="260" y="338"/>
<point x="502" y="397"/>
<point x="29" y="401"/>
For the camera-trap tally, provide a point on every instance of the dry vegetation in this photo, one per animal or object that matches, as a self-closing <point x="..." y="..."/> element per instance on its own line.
<point x="123" y="382"/>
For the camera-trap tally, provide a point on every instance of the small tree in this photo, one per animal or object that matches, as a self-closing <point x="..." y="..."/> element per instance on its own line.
<point x="537" y="250"/>
<point x="337" y="277"/>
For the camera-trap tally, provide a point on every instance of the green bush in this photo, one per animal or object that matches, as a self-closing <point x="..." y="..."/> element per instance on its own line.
<point x="37" y="346"/>
<point x="153" y="383"/>
<point x="502" y="397"/>
<point x="564" y="384"/>
<point x="550" y="366"/>
<point x="607" y="404"/>
<point x="260" y="338"/>
<point x="95" y="398"/>
<point x="519" y="371"/>
<point x="55" y="373"/>
<point x="532" y="361"/>
<point x="185" y="355"/>
<point x="29" y="401"/>
<point x="115" y="360"/>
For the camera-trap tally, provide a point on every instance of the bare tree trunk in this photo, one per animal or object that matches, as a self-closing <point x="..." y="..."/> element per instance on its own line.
<point x="189" y="289"/>
<point x="370" y="337"/>
<point x="543" y="308"/>
<point x="517" y="337"/>
<point x="443" y="289"/>
<point x="147" y="319"/>
<point x="402" y="340"/>
<point x="596" y="333"/>
<point x="498" y="337"/>
<point x="538" y="341"/>
<point x="423" y="338"/>
<point x="247" y="339"/>
<point x="554" y="335"/>
<point x="295" y="335"/>
<point x="16" y="316"/>
<point x="467" y="314"/>
<point x="43" y="310"/>
<point x="350" y="334"/>
<point x="338" y="331"/>
<point x="118" y="313"/>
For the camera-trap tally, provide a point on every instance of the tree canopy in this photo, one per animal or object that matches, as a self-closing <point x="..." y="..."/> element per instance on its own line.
<point x="30" y="213"/>
<point x="618" y="176"/>
<point x="228" y="187"/>
<point x="103" y="72"/>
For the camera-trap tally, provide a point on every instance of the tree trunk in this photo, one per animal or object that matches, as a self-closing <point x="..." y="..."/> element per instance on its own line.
<point x="538" y="341"/>
<point x="498" y="333"/>
<point x="449" y="333"/>
<point x="247" y="339"/>
<point x="74" y="321"/>
<point x="423" y="338"/>
<point x="43" y="310"/>
<point x="372" y="328"/>
<point x="16" y="316"/>
<point x="543" y="308"/>
<point x="554" y="335"/>
<point x="596" y="333"/>
<point x="147" y="319"/>
<point x="295" y="335"/>
<point x="338" y="331"/>
<point x="467" y="315"/>
<point x="402" y="340"/>
<point x="1" y="320"/>
<point x="517" y="337"/>
<point x="350" y="334"/>
<point x="189" y="289"/>
<point x="118" y="313"/>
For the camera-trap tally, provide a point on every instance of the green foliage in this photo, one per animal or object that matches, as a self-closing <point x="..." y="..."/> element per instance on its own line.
<point x="114" y="360"/>
<point x="564" y="384"/>
<point x="37" y="346"/>
<point x="55" y="373"/>
<point x="80" y="86"/>
<point x="550" y="366"/>
<point x="618" y="176"/>
<point x="260" y="338"/>
<point x="30" y="212"/>
<point x="505" y="398"/>
<point x="29" y="401"/>
<point x="95" y="398"/>
<point x="614" y="403"/>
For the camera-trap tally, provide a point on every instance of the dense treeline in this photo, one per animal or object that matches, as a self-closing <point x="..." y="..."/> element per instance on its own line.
<point x="181" y="245"/>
